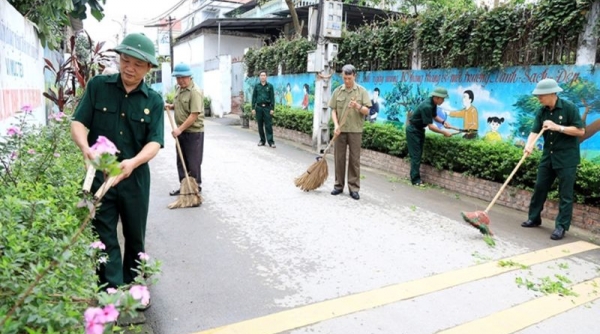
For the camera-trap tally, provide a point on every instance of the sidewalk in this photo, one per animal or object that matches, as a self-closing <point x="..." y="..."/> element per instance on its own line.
<point x="258" y="245"/>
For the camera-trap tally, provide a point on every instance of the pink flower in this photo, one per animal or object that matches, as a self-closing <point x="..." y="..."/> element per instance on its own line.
<point x="104" y="145"/>
<point x="110" y="313"/>
<point x="94" y="320"/>
<point x="143" y="256"/>
<point x="14" y="155"/>
<point x="111" y="291"/>
<point x="141" y="293"/>
<point x="31" y="151"/>
<point x="57" y="116"/>
<point x="98" y="245"/>
<point x="27" y="108"/>
<point x="14" y="131"/>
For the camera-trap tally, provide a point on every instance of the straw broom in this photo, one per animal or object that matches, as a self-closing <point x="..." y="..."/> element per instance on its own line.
<point x="317" y="173"/>
<point x="481" y="219"/>
<point x="189" y="194"/>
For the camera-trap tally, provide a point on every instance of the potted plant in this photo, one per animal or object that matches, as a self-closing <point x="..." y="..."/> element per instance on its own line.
<point x="246" y="115"/>
<point x="207" y="110"/>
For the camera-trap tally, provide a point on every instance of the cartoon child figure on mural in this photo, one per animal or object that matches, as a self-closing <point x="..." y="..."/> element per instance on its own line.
<point x="305" y="100"/>
<point x="493" y="136"/>
<point x="374" y="110"/>
<point x="468" y="114"/>
<point x="288" y="95"/>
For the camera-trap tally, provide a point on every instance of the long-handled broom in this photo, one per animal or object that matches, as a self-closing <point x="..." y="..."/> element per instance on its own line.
<point x="189" y="194"/>
<point x="317" y="173"/>
<point x="481" y="219"/>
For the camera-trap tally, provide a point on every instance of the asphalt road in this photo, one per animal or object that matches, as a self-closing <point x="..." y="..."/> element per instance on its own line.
<point x="258" y="246"/>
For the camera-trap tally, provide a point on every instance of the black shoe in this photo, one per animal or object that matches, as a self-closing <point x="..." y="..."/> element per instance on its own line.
<point x="272" y="145"/>
<point x="174" y="192"/>
<point x="355" y="195"/>
<point x="335" y="192"/>
<point x="558" y="233"/>
<point x="261" y="143"/>
<point x="531" y="223"/>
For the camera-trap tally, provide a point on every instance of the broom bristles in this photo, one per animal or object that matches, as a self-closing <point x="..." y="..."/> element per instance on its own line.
<point x="314" y="177"/>
<point x="478" y="219"/>
<point x="189" y="195"/>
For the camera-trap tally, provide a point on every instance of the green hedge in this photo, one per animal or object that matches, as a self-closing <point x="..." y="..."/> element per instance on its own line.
<point x="488" y="161"/>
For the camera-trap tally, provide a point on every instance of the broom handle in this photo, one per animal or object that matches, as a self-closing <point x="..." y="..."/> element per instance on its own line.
<point x="512" y="173"/>
<point x="179" y="150"/>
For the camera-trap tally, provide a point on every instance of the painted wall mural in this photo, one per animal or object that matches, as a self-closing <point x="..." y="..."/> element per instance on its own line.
<point x="495" y="106"/>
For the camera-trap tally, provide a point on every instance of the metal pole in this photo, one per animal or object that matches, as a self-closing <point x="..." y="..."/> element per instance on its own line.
<point x="219" y="41"/>
<point x="171" y="41"/>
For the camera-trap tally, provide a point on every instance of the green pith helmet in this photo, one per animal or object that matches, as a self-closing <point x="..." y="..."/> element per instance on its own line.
<point x="547" y="86"/>
<point x="439" y="92"/>
<point x="138" y="46"/>
<point x="182" y="70"/>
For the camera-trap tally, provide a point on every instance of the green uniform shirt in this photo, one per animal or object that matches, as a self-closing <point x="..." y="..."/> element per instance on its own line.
<point x="339" y="101"/>
<point x="189" y="100"/>
<point x="263" y="94"/>
<point x="424" y="114"/>
<point x="559" y="149"/>
<point x="130" y="120"/>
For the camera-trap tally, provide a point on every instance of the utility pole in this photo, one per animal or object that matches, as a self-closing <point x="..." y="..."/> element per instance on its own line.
<point x="170" y="22"/>
<point x="171" y="41"/>
<point x="329" y="18"/>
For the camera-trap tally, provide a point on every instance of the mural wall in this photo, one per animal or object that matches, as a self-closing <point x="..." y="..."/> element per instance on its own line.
<point x="498" y="105"/>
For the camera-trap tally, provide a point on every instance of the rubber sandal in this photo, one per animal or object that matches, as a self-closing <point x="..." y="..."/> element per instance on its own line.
<point x="174" y="192"/>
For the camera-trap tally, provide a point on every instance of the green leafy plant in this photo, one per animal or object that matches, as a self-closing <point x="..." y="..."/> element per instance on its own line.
<point x="547" y="285"/>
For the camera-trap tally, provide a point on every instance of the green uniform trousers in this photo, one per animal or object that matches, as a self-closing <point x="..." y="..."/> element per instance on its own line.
<point x="264" y="120"/>
<point x="566" y="182"/>
<point x="129" y="201"/>
<point x="415" y="139"/>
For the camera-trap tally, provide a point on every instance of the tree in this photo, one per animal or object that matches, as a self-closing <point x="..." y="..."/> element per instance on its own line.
<point x="293" y="13"/>
<point x="401" y="101"/>
<point x="51" y="17"/>
<point x="414" y="6"/>
<point x="584" y="94"/>
<point x="527" y="106"/>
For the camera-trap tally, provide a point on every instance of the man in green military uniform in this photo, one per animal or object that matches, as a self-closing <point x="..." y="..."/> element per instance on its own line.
<point x="563" y="126"/>
<point x="189" y="117"/>
<point x="124" y="109"/>
<point x="263" y="105"/>
<point x="349" y="105"/>
<point x="415" y="131"/>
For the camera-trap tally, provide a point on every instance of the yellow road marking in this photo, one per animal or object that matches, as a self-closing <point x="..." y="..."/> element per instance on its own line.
<point x="531" y="312"/>
<point x="314" y="313"/>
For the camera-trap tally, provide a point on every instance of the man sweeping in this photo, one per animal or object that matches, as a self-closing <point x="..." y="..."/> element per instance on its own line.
<point x="189" y="118"/>
<point x="563" y="126"/>
<point x="349" y="105"/>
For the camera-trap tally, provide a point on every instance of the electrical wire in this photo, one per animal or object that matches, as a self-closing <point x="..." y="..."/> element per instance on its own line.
<point x="161" y="16"/>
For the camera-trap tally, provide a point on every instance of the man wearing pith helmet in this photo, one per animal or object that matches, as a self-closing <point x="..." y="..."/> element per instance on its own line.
<point x="423" y="118"/>
<point x="189" y="117"/>
<point x="562" y="126"/>
<point x="128" y="112"/>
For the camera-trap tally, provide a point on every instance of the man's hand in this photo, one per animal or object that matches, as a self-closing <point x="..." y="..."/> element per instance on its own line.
<point x="447" y="125"/>
<point x="253" y="112"/>
<point x="168" y="106"/>
<point x="337" y="130"/>
<point x="354" y="105"/>
<point x="271" y="112"/>
<point x="127" y="166"/>
<point x="527" y="150"/>
<point x="176" y="133"/>
<point x="549" y="125"/>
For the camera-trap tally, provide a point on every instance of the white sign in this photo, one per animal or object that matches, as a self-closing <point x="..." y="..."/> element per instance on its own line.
<point x="164" y="47"/>
<point x="21" y="64"/>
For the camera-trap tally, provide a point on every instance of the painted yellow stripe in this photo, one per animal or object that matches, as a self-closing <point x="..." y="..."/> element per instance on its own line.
<point x="530" y="313"/>
<point x="314" y="313"/>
